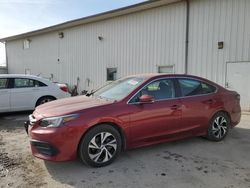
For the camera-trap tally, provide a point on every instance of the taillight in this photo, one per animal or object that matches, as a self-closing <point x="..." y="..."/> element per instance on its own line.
<point x="64" y="88"/>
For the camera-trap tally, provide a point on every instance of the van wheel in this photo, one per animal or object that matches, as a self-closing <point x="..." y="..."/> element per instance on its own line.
<point x="44" y="100"/>
<point x="100" y="146"/>
<point x="218" y="127"/>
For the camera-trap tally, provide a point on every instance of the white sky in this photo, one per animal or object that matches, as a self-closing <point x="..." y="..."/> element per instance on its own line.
<point x="19" y="16"/>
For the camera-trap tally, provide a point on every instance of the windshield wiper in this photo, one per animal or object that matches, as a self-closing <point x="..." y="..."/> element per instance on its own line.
<point x="90" y="93"/>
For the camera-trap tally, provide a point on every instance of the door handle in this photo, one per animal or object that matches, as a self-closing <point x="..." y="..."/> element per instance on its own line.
<point x="209" y="101"/>
<point x="175" y="107"/>
<point x="35" y="89"/>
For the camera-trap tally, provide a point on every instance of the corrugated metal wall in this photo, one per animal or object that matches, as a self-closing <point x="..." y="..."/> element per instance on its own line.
<point x="139" y="42"/>
<point x="135" y="43"/>
<point x="212" y="21"/>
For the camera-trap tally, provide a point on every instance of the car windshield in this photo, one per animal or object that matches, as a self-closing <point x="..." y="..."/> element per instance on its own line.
<point x="119" y="89"/>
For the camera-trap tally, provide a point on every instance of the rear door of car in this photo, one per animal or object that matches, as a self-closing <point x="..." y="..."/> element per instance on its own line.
<point x="24" y="94"/>
<point x="199" y="101"/>
<point x="4" y="95"/>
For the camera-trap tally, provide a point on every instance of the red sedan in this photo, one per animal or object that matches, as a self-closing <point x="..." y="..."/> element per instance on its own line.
<point x="132" y="112"/>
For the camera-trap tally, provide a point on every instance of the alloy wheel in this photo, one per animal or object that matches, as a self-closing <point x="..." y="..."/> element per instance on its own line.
<point x="219" y="127"/>
<point x="102" y="147"/>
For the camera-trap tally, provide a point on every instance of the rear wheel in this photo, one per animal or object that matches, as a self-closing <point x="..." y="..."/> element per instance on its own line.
<point x="44" y="100"/>
<point x="218" y="127"/>
<point x="100" y="146"/>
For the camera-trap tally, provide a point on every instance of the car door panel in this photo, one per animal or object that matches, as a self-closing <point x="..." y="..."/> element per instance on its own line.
<point x="198" y="105"/>
<point x="157" y="121"/>
<point x="154" y="122"/>
<point x="23" y="97"/>
<point x="4" y="95"/>
<point x="4" y="100"/>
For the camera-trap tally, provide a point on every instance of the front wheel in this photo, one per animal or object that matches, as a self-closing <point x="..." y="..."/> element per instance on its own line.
<point x="218" y="127"/>
<point x="100" y="146"/>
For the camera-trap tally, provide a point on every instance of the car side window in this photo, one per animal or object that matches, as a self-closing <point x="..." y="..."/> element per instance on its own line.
<point x="3" y="83"/>
<point x="190" y="87"/>
<point x="160" y="89"/>
<point x="23" y="83"/>
<point x="26" y="83"/>
<point x="207" y="88"/>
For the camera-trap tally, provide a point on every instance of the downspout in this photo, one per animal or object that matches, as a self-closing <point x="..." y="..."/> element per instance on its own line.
<point x="6" y="57"/>
<point x="187" y="35"/>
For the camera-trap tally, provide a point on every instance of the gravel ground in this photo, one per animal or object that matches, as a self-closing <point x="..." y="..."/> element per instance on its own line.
<point x="187" y="163"/>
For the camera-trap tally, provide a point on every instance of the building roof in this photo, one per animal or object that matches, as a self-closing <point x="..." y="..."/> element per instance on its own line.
<point x="94" y="18"/>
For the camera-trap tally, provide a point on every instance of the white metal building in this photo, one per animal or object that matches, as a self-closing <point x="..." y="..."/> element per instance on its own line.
<point x="208" y="38"/>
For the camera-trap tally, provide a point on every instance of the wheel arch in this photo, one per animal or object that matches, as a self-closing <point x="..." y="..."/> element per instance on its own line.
<point x="114" y="125"/>
<point x="50" y="96"/>
<point x="223" y="111"/>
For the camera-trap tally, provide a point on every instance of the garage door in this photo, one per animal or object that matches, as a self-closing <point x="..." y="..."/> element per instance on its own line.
<point x="238" y="79"/>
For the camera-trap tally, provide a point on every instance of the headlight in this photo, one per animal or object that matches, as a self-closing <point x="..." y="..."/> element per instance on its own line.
<point x="57" y="121"/>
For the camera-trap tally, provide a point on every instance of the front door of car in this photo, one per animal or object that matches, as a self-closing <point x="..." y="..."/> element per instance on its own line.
<point x="156" y="121"/>
<point x="23" y="94"/>
<point x="4" y="95"/>
<point x="199" y="102"/>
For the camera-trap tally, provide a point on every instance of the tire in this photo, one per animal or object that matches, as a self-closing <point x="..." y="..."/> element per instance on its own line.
<point x="43" y="100"/>
<point x="218" y="127"/>
<point x="96" y="152"/>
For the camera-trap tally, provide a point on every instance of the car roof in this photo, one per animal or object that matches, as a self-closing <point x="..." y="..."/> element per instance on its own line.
<point x="159" y="75"/>
<point x="19" y="75"/>
<point x="152" y="76"/>
<point x="45" y="80"/>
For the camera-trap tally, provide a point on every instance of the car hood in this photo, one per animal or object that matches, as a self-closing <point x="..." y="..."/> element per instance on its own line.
<point x="68" y="105"/>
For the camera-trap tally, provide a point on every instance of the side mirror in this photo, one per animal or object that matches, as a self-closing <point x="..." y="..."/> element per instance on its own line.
<point x="146" y="99"/>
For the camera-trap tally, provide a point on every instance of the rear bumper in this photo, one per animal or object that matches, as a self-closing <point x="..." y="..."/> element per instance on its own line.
<point x="235" y="118"/>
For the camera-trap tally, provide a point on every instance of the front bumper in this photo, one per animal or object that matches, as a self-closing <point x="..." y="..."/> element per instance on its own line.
<point x="44" y="148"/>
<point x="53" y="144"/>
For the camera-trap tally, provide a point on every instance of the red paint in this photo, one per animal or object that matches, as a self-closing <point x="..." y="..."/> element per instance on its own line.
<point x="142" y="124"/>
